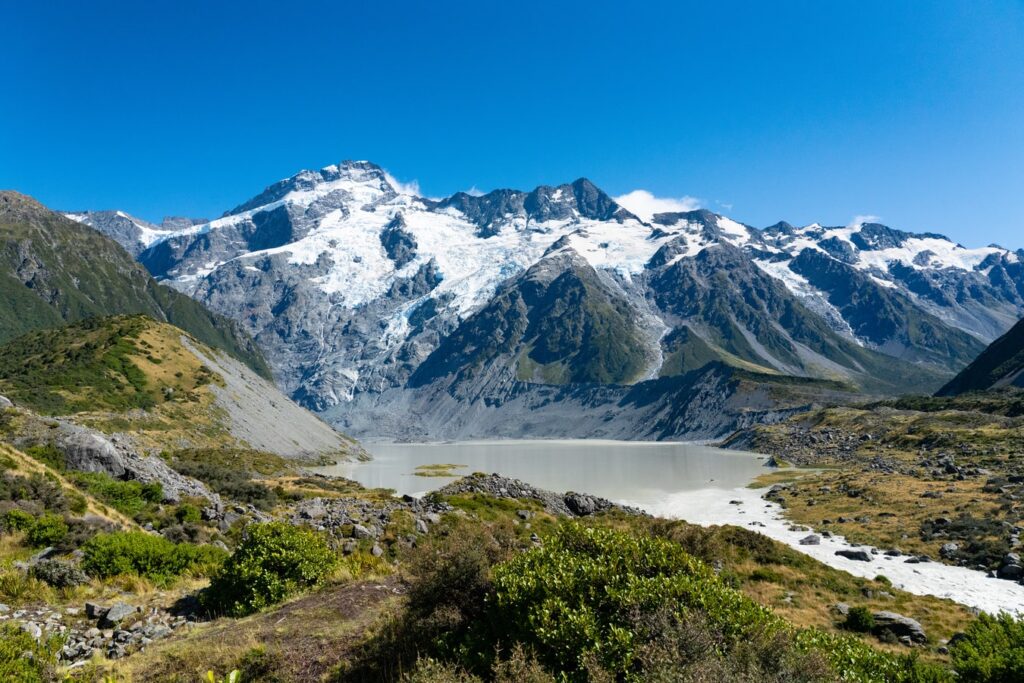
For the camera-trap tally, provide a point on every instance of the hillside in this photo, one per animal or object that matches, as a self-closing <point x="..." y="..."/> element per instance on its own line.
<point x="55" y="270"/>
<point x="159" y="386"/>
<point x="1000" y="365"/>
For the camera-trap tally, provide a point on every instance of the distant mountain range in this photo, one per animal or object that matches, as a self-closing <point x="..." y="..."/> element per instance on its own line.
<point x="552" y="312"/>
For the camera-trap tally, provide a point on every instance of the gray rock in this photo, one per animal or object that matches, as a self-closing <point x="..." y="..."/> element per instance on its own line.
<point x="853" y="554"/>
<point x="360" y="531"/>
<point x="421" y="526"/>
<point x="900" y="626"/>
<point x="376" y="550"/>
<point x="94" y="610"/>
<point x="811" y="539"/>
<point x="949" y="550"/>
<point x="116" y="614"/>
<point x="87" y="450"/>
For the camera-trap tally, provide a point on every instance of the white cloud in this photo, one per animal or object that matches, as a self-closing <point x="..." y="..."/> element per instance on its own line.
<point x="475" y="192"/>
<point x="412" y="187"/>
<point x="861" y="220"/>
<point x="644" y="204"/>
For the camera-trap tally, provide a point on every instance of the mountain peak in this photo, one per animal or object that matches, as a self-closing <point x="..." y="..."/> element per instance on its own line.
<point x="356" y="172"/>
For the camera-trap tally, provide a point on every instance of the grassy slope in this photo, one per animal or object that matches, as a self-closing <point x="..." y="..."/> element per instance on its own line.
<point x="17" y="462"/>
<point x="121" y="374"/>
<point x="889" y="455"/>
<point x="53" y="269"/>
<point x="1001" y="361"/>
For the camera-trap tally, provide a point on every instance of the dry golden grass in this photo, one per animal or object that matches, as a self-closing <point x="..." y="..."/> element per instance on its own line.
<point x="27" y="465"/>
<point x="893" y="504"/>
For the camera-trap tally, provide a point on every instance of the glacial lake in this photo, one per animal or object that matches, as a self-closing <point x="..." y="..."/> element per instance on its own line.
<point x="644" y="474"/>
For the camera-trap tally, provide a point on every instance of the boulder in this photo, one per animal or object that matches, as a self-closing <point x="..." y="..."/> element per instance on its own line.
<point x="900" y="626"/>
<point x="812" y="539"/>
<point x="87" y="450"/>
<point x="580" y="504"/>
<point x="1012" y="572"/>
<point x="855" y="554"/>
<point x="948" y="550"/>
<point x="116" y="614"/>
<point x="94" y="610"/>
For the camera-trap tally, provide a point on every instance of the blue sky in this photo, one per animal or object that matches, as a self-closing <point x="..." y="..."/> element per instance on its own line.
<point x="803" y="111"/>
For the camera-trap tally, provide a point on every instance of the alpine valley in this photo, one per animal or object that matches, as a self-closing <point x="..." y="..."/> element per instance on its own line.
<point x="558" y="312"/>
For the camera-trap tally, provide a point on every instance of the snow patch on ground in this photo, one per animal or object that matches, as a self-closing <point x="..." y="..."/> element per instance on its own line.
<point x="710" y="507"/>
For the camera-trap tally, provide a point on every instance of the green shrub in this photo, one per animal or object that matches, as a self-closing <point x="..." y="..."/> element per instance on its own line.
<point x="18" y="520"/>
<point x="47" y="530"/>
<point x="77" y="503"/>
<point x="599" y="600"/>
<point x="766" y="575"/>
<point x="273" y="561"/>
<point x="148" y="555"/>
<point x="230" y="480"/>
<point x="34" y="487"/>
<point x="153" y="492"/>
<point x="26" y="660"/>
<point x="859" y="620"/>
<point x="48" y="454"/>
<point x="990" y="651"/>
<point x="188" y="514"/>
<point x="127" y="497"/>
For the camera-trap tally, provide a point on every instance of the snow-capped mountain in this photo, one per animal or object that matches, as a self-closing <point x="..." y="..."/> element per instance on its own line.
<point x="134" y="234"/>
<point x="369" y="300"/>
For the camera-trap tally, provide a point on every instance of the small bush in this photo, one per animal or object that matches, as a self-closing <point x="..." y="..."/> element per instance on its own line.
<point x="859" y="620"/>
<point x="24" y="659"/>
<point x="766" y="575"/>
<point x="188" y="514"/>
<point x="273" y="560"/>
<point x="47" y="530"/>
<point x="59" y="574"/>
<point x="153" y="557"/>
<point x="18" y="520"/>
<point x="127" y="497"/>
<point x="35" y="487"/>
<point x="990" y="651"/>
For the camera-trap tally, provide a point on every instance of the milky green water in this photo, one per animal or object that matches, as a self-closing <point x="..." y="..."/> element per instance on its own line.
<point x="642" y="473"/>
